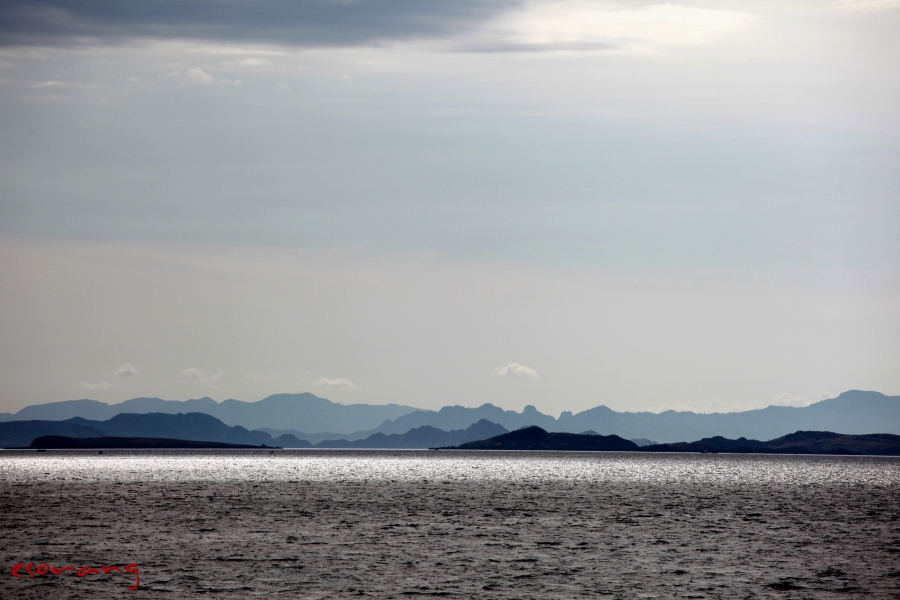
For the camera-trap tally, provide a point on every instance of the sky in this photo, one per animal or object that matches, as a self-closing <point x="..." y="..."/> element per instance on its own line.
<point x="562" y="203"/>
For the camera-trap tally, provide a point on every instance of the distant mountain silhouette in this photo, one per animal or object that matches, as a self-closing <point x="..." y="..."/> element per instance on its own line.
<point x="644" y="442"/>
<point x="800" y="442"/>
<point x="290" y="441"/>
<point x="535" y="438"/>
<point x="853" y="412"/>
<point x="638" y="441"/>
<point x="303" y="412"/>
<point x="192" y="429"/>
<point x="421" y="437"/>
<point x="61" y="442"/>
<point x="315" y="437"/>
<point x="459" y="417"/>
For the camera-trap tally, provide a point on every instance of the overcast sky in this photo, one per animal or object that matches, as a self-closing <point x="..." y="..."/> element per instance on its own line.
<point x="559" y="203"/>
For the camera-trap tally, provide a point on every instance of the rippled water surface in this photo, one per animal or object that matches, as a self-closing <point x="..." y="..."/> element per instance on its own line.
<point x="405" y="466"/>
<point x="320" y="524"/>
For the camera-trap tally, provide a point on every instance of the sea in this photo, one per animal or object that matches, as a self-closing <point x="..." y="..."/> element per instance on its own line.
<point x="454" y="524"/>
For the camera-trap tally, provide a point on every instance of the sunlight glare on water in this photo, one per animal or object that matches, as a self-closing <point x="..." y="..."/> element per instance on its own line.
<point x="406" y="466"/>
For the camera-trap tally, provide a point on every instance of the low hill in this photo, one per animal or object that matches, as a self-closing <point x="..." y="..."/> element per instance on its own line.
<point x="61" y="442"/>
<point x="835" y="443"/>
<point x="191" y="426"/>
<point x="19" y="434"/>
<point x="800" y="442"/>
<point x="535" y="438"/>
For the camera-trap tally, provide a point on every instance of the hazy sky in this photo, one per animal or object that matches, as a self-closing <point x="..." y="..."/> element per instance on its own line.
<point x="560" y="203"/>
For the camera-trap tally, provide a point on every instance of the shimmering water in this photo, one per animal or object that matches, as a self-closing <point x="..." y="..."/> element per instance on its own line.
<point x="406" y="466"/>
<point x="324" y="524"/>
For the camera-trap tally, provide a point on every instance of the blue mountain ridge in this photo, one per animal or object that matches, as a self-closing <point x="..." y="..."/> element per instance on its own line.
<point x="286" y="411"/>
<point x="852" y="412"/>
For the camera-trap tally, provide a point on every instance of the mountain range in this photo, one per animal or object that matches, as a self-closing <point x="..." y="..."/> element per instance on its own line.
<point x="286" y="411"/>
<point x="308" y="417"/>
<point x="197" y="430"/>
<point x="853" y="412"/>
<point x="425" y="436"/>
<point x="158" y="430"/>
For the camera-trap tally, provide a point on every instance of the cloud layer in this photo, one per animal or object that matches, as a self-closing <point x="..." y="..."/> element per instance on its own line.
<point x="335" y="384"/>
<point x="126" y="370"/>
<point x="99" y="387"/>
<point x="516" y="369"/>
<point x="579" y="25"/>
<point x="500" y="25"/>
<point x="652" y="201"/>
<point x="201" y="378"/>
<point x="303" y="23"/>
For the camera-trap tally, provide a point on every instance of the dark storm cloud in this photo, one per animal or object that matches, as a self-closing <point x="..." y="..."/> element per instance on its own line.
<point x="300" y="23"/>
